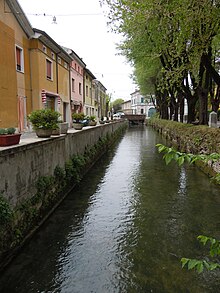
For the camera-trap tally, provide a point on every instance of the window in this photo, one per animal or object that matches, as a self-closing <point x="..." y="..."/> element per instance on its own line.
<point x="59" y="60"/>
<point x="73" y="85"/>
<point x="65" y="64"/>
<point x="19" y="59"/>
<point x="44" y="49"/>
<point x="53" y="55"/>
<point x="49" y="69"/>
<point x="142" y="111"/>
<point x="80" y="88"/>
<point x="87" y="91"/>
<point x="142" y="100"/>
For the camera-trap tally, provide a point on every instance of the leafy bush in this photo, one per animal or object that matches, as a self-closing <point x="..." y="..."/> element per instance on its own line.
<point x="77" y="117"/>
<point x="44" y="119"/>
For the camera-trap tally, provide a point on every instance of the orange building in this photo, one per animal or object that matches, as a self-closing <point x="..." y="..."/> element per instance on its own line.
<point x="15" y="83"/>
<point x="34" y="70"/>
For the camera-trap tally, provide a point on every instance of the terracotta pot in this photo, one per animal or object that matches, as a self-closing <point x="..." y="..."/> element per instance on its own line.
<point x="9" y="139"/>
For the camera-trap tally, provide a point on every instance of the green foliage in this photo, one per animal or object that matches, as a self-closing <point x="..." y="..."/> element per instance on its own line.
<point x="59" y="173"/>
<point x="6" y="212"/>
<point x="77" y="117"/>
<point x="165" y="41"/>
<point x="10" y="130"/>
<point x="199" y="265"/>
<point x="180" y="158"/>
<point x="116" y="104"/>
<point x="214" y="251"/>
<point x="44" y="118"/>
<point x="92" y="118"/>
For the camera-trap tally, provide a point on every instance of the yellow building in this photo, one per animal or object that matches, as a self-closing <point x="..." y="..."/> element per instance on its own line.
<point x="90" y="108"/>
<point x="50" y="75"/>
<point x="15" y="83"/>
<point x="100" y="98"/>
<point x="34" y="70"/>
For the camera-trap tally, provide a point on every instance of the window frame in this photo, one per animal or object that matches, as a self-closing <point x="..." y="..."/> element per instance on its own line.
<point x="19" y="59"/>
<point x="48" y="61"/>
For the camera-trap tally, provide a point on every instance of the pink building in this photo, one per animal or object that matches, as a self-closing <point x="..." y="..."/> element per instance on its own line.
<point x="76" y="81"/>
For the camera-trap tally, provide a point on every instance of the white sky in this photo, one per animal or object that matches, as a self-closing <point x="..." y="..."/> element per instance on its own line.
<point x="87" y="35"/>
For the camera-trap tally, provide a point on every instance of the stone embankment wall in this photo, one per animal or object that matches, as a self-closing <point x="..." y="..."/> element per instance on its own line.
<point x="189" y="138"/>
<point x="36" y="176"/>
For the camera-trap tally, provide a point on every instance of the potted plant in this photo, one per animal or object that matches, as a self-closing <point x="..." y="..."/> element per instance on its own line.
<point x="78" y="120"/>
<point x="9" y="137"/>
<point x="102" y="120"/>
<point x="44" y="121"/>
<point x="92" y="121"/>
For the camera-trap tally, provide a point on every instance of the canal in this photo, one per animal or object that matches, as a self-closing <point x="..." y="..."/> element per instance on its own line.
<point x="124" y="229"/>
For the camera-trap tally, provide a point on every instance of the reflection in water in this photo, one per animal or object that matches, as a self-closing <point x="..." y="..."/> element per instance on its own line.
<point x="124" y="229"/>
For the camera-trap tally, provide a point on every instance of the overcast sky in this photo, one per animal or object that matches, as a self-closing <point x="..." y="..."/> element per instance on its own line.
<point x="82" y="26"/>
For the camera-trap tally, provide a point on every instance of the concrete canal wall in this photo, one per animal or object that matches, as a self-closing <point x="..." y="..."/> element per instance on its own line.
<point x="37" y="174"/>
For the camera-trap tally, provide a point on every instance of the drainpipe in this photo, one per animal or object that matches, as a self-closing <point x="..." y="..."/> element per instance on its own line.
<point x="31" y="91"/>
<point x="57" y="72"/>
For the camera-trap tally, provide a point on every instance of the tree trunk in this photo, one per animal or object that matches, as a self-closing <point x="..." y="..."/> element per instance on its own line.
<point x="203" y="106"/>
<point x="181" y="105"/>
<point x="191" y="102"/>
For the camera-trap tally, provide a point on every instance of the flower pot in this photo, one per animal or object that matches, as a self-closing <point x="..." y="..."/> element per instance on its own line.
<point x="92" y="123"/>
<point x="56" y="131"/>
<point x="9" y="139"/>
<point x="44" y="133"/>
<point x="63" y="127"/>
<point x="77" y="126"/>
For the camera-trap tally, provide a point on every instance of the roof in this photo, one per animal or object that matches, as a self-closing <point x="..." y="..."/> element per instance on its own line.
<point x="75" y="56"/>
<point x="49" y="42"/>
<point x="21" y="17"/>
<point x="90" y="73"/>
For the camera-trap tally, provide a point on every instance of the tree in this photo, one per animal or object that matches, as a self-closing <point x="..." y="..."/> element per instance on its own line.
<point x="116" y="105"/>
<point x="170" y="44"/>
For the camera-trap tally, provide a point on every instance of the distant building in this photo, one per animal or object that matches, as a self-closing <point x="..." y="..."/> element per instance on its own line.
<point x="76" y="81"/>
<point x="126" y="107"/>
<point x="142" y="104"/>
<point x="90" y="108"/>
<point x="100" y="98"/>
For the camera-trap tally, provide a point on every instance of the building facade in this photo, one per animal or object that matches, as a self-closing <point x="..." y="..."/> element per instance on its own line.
<point x="15" y="81"/>
<point x="37" y="73"/>
<point x="142" y="105"/>
<point x="90" y="108"/>
<point x="76" y="81"/>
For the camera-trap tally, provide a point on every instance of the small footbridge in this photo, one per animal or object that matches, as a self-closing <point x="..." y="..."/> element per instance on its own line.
<point x="135" y="119"/>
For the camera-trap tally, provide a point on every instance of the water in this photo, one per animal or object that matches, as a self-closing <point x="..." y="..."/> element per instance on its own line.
<point x="124" y="229"/>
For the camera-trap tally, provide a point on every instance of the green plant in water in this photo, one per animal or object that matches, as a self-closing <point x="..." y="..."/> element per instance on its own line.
<point x="171" y="154"/>
<point x="214" y="251"/>
<point x="199" y="265"/>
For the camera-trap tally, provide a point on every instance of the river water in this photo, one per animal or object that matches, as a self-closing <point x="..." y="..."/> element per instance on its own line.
<point x="124" y="229"/>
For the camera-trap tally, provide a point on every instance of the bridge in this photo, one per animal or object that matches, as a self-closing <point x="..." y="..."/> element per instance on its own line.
<point x="135" y="119"/>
